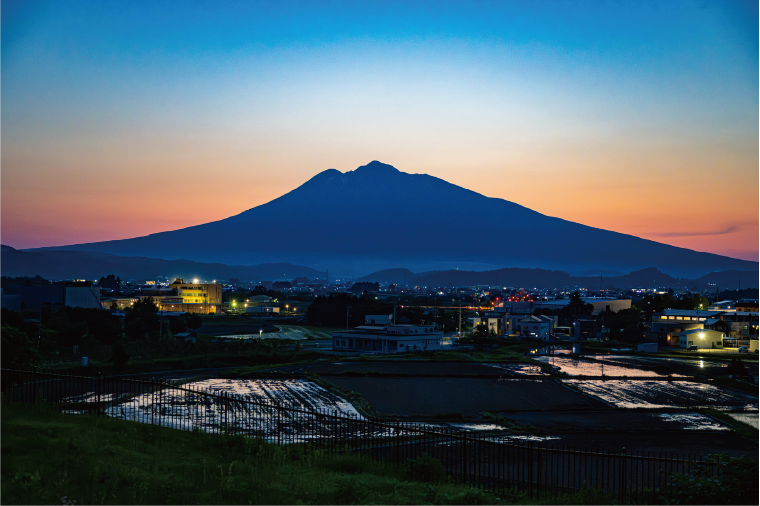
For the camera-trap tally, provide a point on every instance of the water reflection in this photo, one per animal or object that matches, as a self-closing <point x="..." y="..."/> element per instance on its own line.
<point x="584" y="366"/>
<point x="665" y="394"/>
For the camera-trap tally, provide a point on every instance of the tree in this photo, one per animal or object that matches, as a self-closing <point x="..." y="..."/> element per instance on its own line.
<point x="119" y="355"/>
<point x="480" y="330"/>
<point x="193" y="321"/>
<point x="141" y="318"/>
<point x="18" y="350"/>
<point x="625" y="325"/>
<point x="110" y="282"/>
<point x="576" y="307"/>
<point x="177" y="325"/>
<point x="363" y="287"/>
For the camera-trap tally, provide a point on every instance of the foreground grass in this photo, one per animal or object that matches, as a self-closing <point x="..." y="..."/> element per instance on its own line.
<point x="46" y="456"/>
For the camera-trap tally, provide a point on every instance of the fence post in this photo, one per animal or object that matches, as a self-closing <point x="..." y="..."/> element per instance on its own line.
<point x="279" y="423"/>
<point x="97" y="389"/>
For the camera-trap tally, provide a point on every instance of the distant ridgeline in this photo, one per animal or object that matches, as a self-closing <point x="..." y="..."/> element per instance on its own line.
<point x="541" y="278"/>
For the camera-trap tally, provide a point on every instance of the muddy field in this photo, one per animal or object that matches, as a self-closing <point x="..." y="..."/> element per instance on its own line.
<point x="619" y="421"/>
<point x="665" y="394"/>
<point x="469" y="396"/>
<point x="412" y="367"/>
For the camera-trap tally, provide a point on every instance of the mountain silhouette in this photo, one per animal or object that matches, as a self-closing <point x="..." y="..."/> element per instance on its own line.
<point x="377" y="217"/>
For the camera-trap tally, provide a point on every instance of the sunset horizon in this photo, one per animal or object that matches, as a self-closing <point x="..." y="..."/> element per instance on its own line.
<point x="641" y="120"/>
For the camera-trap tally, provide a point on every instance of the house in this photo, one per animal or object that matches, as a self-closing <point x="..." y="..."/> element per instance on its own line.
<point x="382" y="319"/>
<point x="188" y="337"/>
<point x="492" y="321"/>
<point x="744" y="325"/>
<point x="722" y="305"/>
<point x="702" y="338"/>
<point x="388" y="339"/>
<point x="584" y="327"/>
<point x="747" y="305"/>
<point x="536" y="327"/>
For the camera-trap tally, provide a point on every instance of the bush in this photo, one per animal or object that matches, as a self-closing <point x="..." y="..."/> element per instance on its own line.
<point x="427" y="470"/>
<point x="119" y="355"/>
<point x="723" y="480"/>
<point x="18" y="351"/>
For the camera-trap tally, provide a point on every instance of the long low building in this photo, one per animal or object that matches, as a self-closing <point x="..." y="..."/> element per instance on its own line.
<point x="528" y="307"/>
<point x="388" y="339"/>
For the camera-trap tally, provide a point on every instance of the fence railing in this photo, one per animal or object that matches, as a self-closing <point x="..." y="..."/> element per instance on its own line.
<point x="493" y="461"/>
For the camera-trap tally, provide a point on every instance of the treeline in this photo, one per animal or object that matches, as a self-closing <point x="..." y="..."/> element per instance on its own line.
<point x="25" y="281"/>
<point x="747" y="293"/>
<point x="336" y="309"/>
<point x="333" y="310"/>
<point x="28" y="336"/>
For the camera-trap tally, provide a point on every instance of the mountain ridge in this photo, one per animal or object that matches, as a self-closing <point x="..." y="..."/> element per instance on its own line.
<point x="72" y="264"/>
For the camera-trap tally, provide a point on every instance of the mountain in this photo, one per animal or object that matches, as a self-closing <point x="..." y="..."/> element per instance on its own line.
<point x="376" y="216"/>
<point x="61" y="264"/>
<point x="542" y="278"/>
<point x="387" y="276"/>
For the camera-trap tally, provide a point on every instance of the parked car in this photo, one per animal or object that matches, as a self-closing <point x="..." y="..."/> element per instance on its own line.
<point x="692" y="348"/>
<point x="743" y="349"/>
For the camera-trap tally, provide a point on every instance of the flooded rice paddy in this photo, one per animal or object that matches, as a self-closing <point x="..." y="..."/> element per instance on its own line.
<point x="624" y="421"/>
<point x="584" y="366"/>
<point x="248" y="408"/>
<point x="665" y="394"/>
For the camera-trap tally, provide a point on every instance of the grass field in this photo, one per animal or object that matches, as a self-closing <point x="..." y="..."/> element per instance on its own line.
<point x="49" y="458"/>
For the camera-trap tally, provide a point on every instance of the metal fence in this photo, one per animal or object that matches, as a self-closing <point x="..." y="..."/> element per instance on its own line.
<point x="495" y="462"/>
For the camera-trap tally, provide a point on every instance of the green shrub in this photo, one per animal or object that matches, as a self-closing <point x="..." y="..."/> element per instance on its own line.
<point x="722" y="480"/>
<point x="427" y="470"/>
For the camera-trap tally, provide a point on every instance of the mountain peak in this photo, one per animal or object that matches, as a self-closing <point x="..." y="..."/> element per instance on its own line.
<point x="375" y="167"/>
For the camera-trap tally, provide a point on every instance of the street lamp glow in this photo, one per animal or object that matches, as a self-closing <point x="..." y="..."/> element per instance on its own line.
<point x="195" y="280"/>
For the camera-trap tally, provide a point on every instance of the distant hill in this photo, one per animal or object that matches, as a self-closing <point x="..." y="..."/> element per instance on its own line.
<point x="55" y="264"/>
<point x="541" y="278"/>
<point x="376" y="217"/>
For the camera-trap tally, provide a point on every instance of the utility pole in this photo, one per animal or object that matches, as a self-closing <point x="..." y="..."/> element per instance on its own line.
<point x="347" y="307"/>
<point x="394" y="314"/>
<point x="460" y="321"/>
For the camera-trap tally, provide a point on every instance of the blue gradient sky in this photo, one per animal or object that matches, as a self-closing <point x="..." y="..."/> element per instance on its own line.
<point x="126" y="118"/>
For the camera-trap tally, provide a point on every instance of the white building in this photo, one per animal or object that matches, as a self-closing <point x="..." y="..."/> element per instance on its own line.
<point x="375" y="319"/>
<point x="528" y="307"/>
<point x="388" y="339"/>
<point x="536" y="327"/>
<point x="701" y="338"/>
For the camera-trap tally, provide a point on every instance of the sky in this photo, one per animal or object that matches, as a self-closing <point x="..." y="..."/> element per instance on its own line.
<point x="121" y="119"/>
